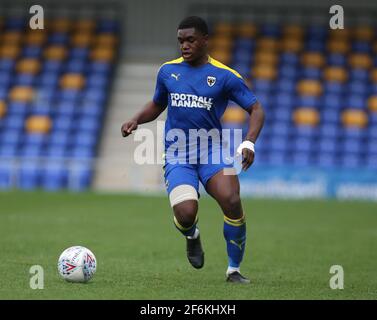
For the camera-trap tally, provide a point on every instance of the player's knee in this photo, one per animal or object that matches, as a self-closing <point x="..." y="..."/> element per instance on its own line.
<point x="185" y="213"/>
<point x="232" y="203"/>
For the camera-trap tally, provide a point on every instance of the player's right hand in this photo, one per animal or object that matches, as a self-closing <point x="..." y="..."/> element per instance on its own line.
<point x="128" y="127"/>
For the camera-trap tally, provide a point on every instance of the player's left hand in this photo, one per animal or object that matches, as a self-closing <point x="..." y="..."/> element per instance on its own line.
<point x="247" y="158"/>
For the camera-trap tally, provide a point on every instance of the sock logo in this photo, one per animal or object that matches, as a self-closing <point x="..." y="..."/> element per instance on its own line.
<point x="239" y="245"/>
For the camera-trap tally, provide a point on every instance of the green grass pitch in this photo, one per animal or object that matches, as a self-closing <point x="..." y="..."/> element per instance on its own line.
<point x="290" y="248"/>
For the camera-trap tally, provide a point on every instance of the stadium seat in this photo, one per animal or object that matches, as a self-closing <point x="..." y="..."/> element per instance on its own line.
<point x="38" y="124"/>
<point x="54" y="176"/>
<point x="21" y="94"/>
<point x="354" y="118"/>
<point x="306" y="116"/>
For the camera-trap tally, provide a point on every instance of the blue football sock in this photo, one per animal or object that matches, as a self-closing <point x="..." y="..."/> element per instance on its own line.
<point x="235" y="237"/>
<point x="187" y="232"/>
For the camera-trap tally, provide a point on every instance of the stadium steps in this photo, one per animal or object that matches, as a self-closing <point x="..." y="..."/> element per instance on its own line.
<point x="116" y="169"/>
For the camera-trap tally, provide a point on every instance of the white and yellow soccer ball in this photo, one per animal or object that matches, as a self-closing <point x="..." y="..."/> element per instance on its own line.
<point x="77" y="264"/>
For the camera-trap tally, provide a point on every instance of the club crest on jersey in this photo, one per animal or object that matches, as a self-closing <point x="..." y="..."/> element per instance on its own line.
<point x="211" y="81"/>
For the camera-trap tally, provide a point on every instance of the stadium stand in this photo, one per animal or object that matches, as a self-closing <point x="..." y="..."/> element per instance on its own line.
<point x="54" y="87"/>
<point x="318" y="87"/>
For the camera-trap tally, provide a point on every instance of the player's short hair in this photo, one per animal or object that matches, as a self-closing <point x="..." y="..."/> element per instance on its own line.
<point x="194" y="22"/>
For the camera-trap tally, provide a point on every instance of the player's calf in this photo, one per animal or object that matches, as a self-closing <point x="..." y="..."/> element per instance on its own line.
<point x="184" y="200"/>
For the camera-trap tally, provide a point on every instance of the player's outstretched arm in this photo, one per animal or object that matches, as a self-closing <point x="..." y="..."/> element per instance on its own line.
<point x="255" y="126"/>
<point x="149" y="113"/>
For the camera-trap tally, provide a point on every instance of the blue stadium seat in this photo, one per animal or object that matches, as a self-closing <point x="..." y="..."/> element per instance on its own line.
<point x="54" y="176"/>
<point x="90" y="109"/>
<point x="361" y="47"/>
<point x="282" y="115"/>
<point x="70" y="95"/>
<point x="316" y="32"/>
<point x="99" y="67"/>
<point x="302" y="159"/>
<point x="330" y="116"/>
<point x="31" y="151"/>
<point x="284" y="100"/>
<point x="24" y="80"/>
<point x="276" y="158"/>
<point x="328" y="146"/>
<point x="34" y="139"/>
<point x="107" y="25"/>
<point x="351" y="161"/>
<point x="371" y="161"/>
<point x="262" y="86"/>
<point x="355" y="101"/>
<point x="56" y="151"/>
<point x="358" y="74"/>
<point x="41" y="108"/>
<point x="336" y="59"/>
<point x="85" y="140"/>
<point x="242" y="56"/>
<point x="278" y="143"/>
<point x="289" y="58"/>
<point x="288" y="71"/>
<point x="6" y="174"/>
<point x="358" y="88"/>
<point x="52" y="66"/>
<point x="353" y="133"/>
<point x="311" y="73"/>
<point x="7" y="64"/>
<point x="89" y="124"/>
<point x="372" y="132"/>
<point x="306" y="132"/>
<point x="75" y="66"/>
<point x="280" y="129"/>
<point x="82" y="152"/>
<point x="352" y="146"/>
<point x="80" y="176"/>
<point x="302" y="144"/>
<point x="59" y="138"/>
<point x="371" y="147"/>
<point x="66" y="108"/>
<point x="244" y="44"/>
<point x="18" y="108"/>
<point x="327" y="160"/>
<point x="372" y="119"/>
<point x="11" y="137"/>
<point x="329" y="130"/>
<point x="48" y="80"/>
<point x="32" y="51"/>
<point x="29" y="175"/>
<point x="3" y="92"/>
<point x="315" y="45"/>
<point x="8" y="151"/>
<point x="99" y="81"/>
<point x="14" y="122"/>
<point x="285" y="85"/>
<point x="332" y="101"/>
<point x="5" y="78"/>
<point x="271" y="30"/>
<point x="333" y="87"/>
<point x="15" y="23"/>
<point x="62" y="123"/>
<point x="307" y="101"/>
<point x="58" y="38"/>
<point x="79" y="53"/>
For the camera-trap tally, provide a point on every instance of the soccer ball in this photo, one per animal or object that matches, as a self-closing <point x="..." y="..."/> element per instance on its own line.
<point x="77" y="264"/>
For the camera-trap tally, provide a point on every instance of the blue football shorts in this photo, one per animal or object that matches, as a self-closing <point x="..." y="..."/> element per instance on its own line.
<point x="177" y="174"/>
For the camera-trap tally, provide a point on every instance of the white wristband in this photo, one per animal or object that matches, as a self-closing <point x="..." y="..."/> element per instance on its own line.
<point x="246" y="144"/>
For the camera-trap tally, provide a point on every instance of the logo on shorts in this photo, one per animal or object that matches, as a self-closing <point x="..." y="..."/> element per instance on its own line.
<point x="167" y="183"/>
<point x="211" y="81"/>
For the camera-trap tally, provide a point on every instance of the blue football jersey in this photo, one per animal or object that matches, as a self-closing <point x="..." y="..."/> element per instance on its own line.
<point x="198" y="96"/>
